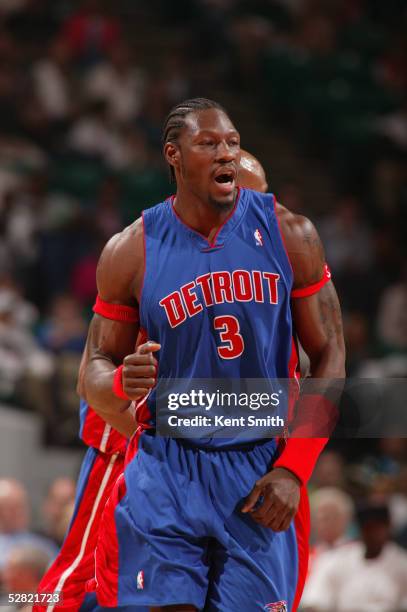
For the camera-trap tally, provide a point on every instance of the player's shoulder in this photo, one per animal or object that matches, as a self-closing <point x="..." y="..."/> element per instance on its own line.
<point x="294" y="225"/>
<point x="127" y="239"/>
<point x="120" y="263"/>
<point x="260" y="196"/>
<point x="160" y="206"/>
<point x="303" y="245"/>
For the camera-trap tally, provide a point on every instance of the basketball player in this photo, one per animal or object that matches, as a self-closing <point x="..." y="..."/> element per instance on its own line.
<point x="210" y="274"/>
<point x="102" y="464"/>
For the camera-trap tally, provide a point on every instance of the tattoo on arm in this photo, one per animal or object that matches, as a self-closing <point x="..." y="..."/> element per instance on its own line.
<point x="329" y="312"/>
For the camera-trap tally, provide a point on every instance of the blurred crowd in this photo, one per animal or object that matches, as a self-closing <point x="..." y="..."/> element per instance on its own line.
<point x="84" y="88"/>
<point x="25" y="553"/>
<point x="358" y="555"/>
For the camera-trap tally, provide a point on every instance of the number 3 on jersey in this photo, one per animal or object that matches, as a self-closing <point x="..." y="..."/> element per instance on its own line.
<point x="229" y="329"/>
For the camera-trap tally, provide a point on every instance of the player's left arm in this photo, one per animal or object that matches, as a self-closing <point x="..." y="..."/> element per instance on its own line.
<point x="318" y="324"/>
<point x="315" y="309"/>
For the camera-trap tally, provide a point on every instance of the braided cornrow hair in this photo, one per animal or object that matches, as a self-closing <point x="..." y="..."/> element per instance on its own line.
<point x="175" y="120"/>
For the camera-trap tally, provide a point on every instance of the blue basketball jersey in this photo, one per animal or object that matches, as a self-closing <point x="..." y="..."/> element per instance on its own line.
<point x="219" y="309"/>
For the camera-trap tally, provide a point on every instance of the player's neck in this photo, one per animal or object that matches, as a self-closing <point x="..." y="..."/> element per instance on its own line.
<point x="201" y="216"/>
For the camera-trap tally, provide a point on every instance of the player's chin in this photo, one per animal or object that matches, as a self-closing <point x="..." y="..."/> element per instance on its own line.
<point x="223" y="200"/>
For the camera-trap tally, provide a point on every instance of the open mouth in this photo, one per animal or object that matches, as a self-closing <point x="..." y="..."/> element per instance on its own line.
<point x="224" y="178"/>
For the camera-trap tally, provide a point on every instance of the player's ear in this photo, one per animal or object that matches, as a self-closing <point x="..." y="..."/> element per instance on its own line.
<point x="172" y="155"/>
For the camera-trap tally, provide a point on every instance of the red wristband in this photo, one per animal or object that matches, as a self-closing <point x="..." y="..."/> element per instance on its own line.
<point x="117" y="386"/>
<point x="300" y="456"/>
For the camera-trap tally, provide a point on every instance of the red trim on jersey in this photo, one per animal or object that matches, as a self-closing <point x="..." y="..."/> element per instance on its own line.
<point x="294" y="375"/>
<point x="75" y="563"/>
<point x="145" y="258"/>
<point x="142" y="413"/>
<point x="315" y="287"/>
<point x="93" y="432"/>
<point x="302" y="525"/>
<point x="281" y="234"/>
<point x="117" y="386"/>
<point x="106" y="580"/>
<point x="116" y="312"/>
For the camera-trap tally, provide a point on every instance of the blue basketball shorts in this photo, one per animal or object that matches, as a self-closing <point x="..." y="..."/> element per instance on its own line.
<point x="173" y="533"/>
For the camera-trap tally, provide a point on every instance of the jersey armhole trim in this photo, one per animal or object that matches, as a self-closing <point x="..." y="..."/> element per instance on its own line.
<point x="143" y="221"/>
<point x="281" y="234"/>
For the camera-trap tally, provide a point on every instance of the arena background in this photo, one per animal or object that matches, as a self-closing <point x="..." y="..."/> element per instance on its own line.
<point x="318" y="90"/>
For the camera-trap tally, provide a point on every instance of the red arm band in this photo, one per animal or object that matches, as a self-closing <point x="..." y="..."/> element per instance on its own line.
<point x="116" y="312"/>
<point x="311" y="289"/>
<point x="315" y="420"/>
<point x="300" y="456"/>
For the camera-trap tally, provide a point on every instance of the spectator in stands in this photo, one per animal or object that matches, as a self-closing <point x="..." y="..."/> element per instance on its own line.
<point x="175" y="67"/>
<point x="137" y="155"/>
<point x="107" y="216"/>
<point x="57" y="504"/>
<point x="24" y="313"/>
<point x="331" y="515"/>
<point x="356" y="330"/>
<point x="91" y="33"/>
<point x="119" y="82"/>
<point x="332" y="512"/>
<point x="83" y="278"/>
<point x="23" y="570"/>
<point x="364" y="576"/>
<point x="340" y="232"/>
<point x="65" y="327"/>
<point x="20" y="355"/>
<point x="329" y="471"/>
<point x="93" y="135"/>
<point x="54" y="82"/>
<point x="14" y="522"/>
<point x="387" y="474"/>
<point x="394" y="127"/>
<point x="25" y="218"/>
<point x="392" y="316"/>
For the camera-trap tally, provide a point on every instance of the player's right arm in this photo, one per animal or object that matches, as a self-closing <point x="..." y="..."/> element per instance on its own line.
<point x="111" y="343"/>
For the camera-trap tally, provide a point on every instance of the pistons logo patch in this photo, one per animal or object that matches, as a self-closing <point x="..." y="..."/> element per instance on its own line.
<point x="258" y="237"/>
<point x="140" y="580"/>
<point x="277" y="606"/>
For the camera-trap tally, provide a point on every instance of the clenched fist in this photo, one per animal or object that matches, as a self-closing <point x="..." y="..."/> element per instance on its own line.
<point x="139" y="373"/>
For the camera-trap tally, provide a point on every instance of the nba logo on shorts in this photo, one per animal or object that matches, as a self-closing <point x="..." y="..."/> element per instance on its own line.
<point x="278" y="606"/>
<point x="258" y="238"/>
<point x="140" y="580"/>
